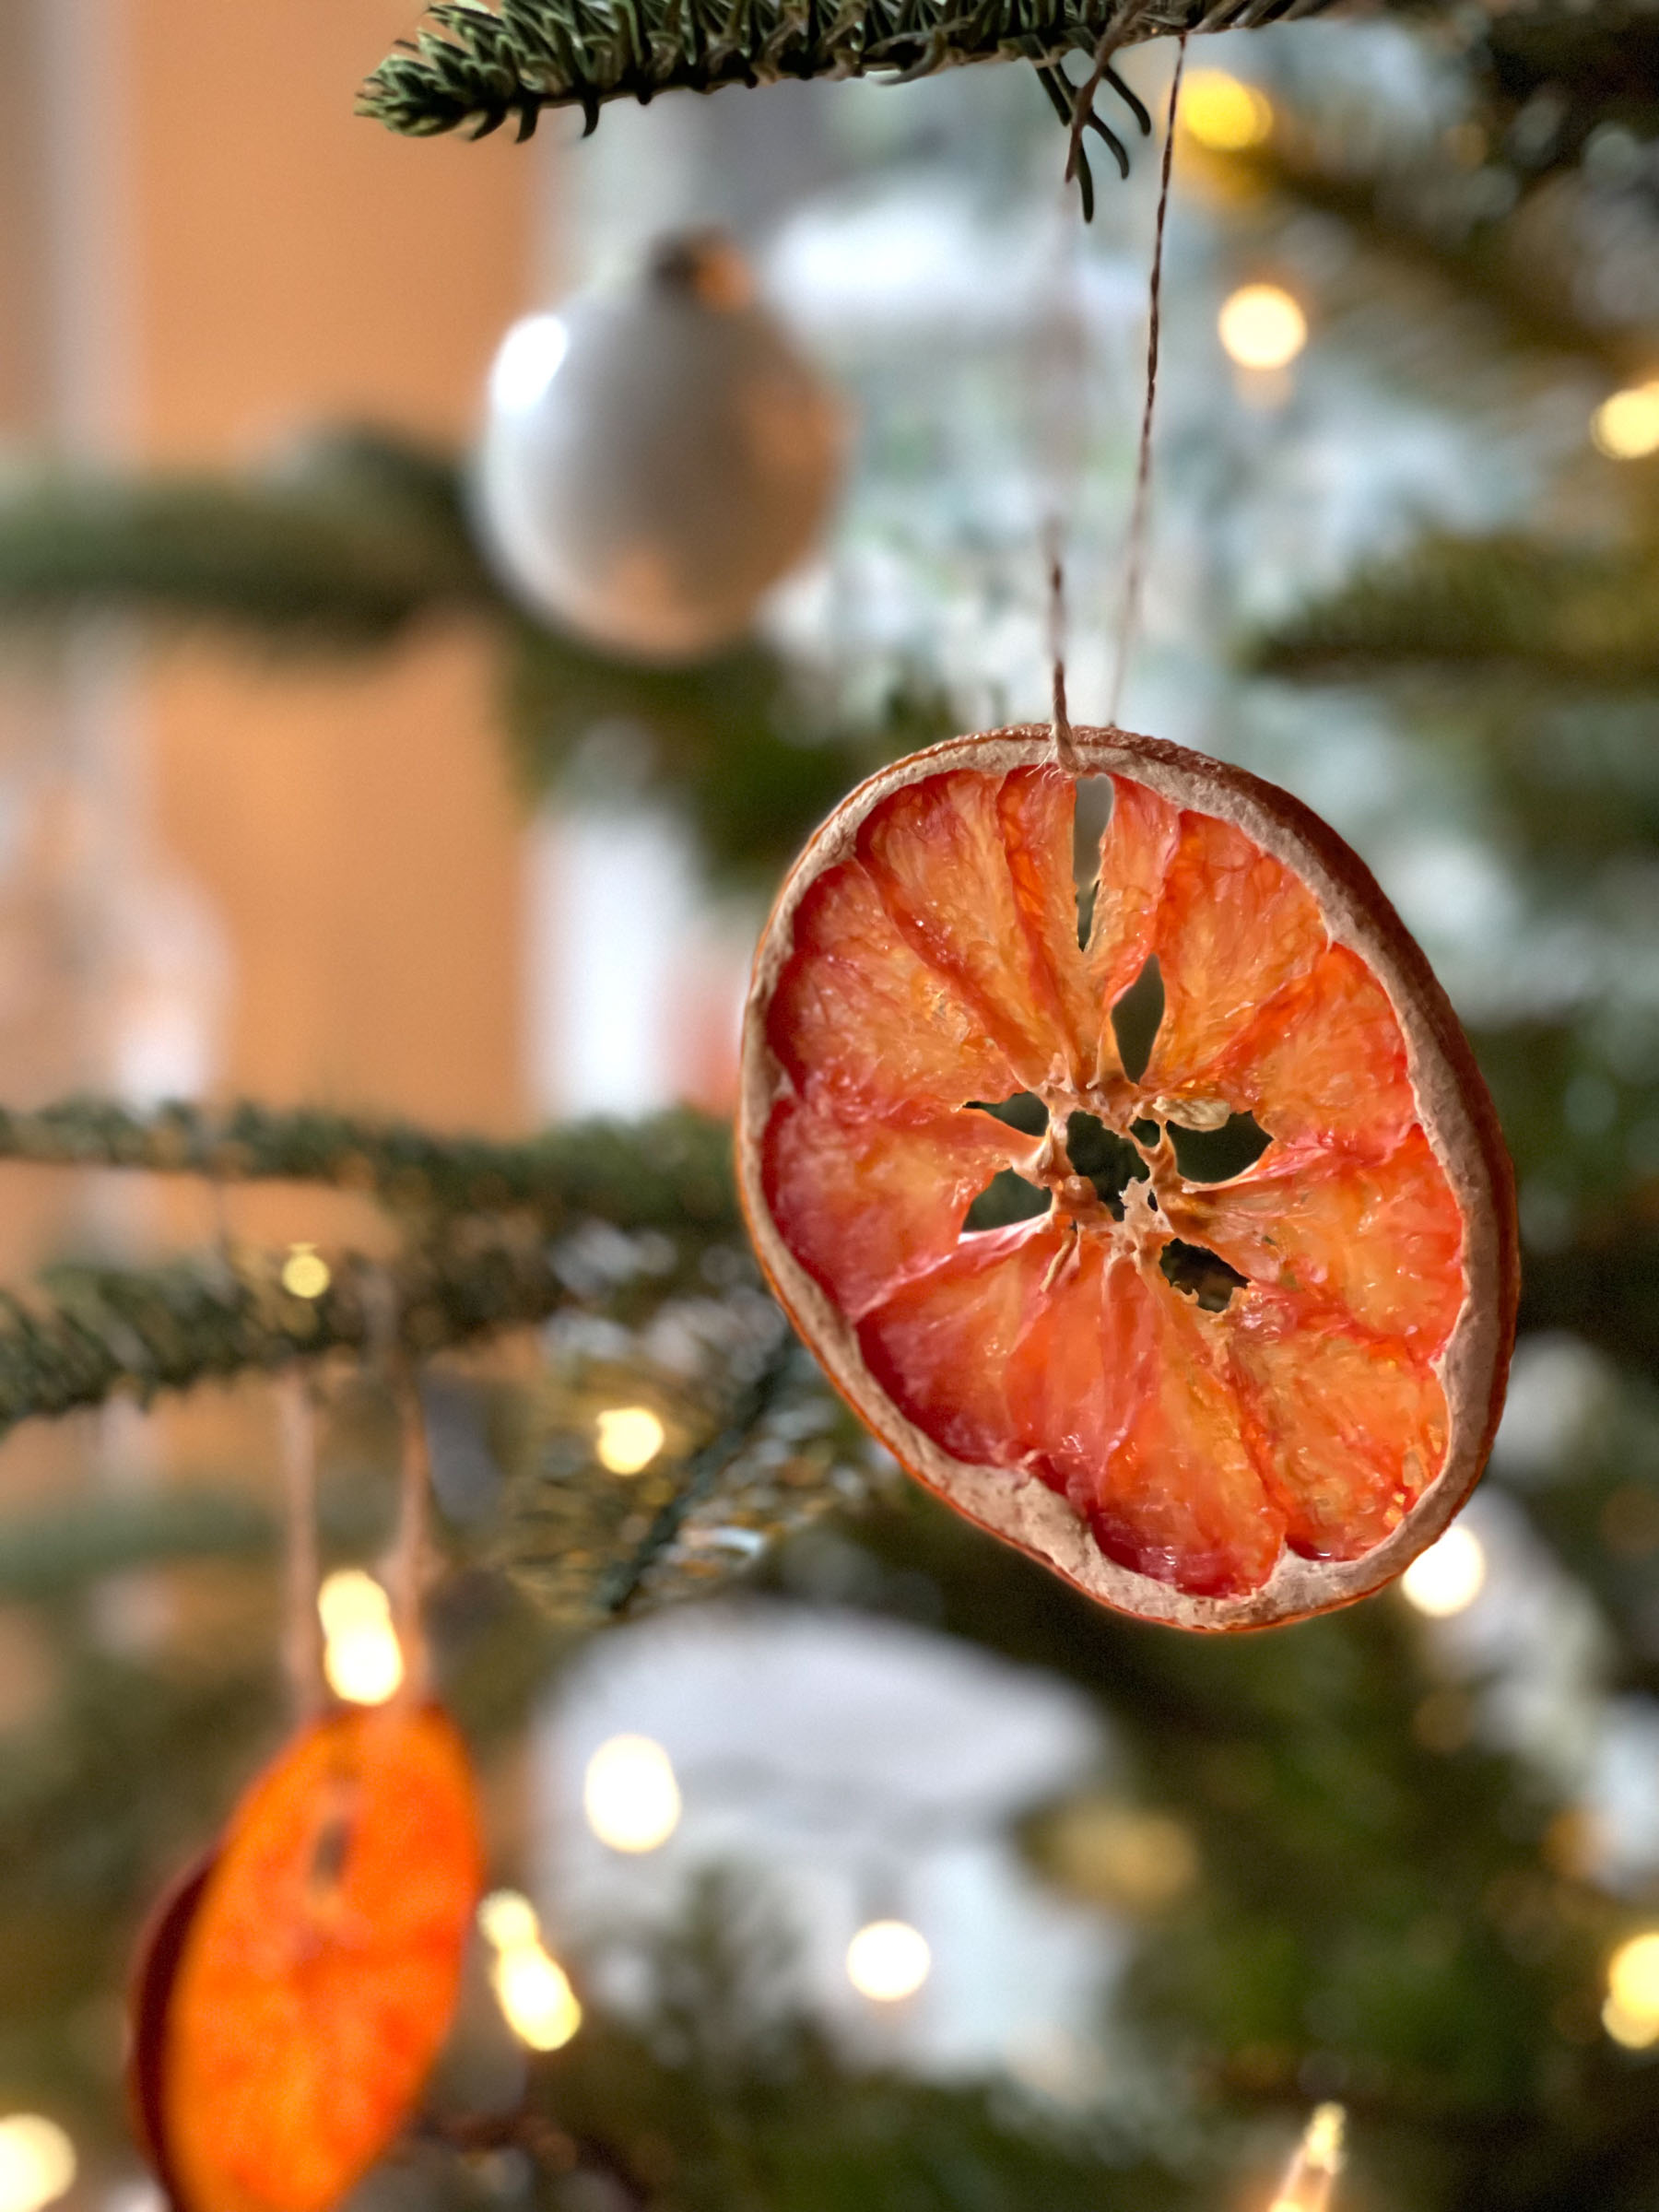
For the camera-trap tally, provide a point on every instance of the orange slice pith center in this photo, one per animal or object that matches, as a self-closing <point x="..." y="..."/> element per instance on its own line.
<point x="1210" y="1371"/>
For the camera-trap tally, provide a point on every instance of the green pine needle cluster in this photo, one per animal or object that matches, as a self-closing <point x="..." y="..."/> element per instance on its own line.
<point x="477" y="67"/>
<point x="1568" y="613"/>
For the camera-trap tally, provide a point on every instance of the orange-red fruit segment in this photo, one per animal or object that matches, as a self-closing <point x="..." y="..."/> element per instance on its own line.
<point x="1253" y="1446"/>
<point x="288" y="2012"/>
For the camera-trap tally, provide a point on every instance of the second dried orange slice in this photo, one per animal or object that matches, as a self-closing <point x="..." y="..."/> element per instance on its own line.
<point x="1215" y="1321"/>
<point x="296" y="1988"/>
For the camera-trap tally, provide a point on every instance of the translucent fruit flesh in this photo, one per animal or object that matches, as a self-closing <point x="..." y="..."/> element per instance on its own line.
<point x="937" y="970"/>
<point x="320" y="1965"/>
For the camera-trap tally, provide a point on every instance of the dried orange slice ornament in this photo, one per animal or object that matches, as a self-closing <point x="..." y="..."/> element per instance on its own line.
<point x="295" y="1988"/>
<point x="1215" y="1402"/>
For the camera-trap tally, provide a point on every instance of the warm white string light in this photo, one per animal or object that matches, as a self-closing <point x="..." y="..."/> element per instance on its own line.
<point x="631" y="1794"/>
<point x="1626" y="425"/>
<point x="1448" y="1576"/>
<point x="36" y="2162"/>
<point x="532" y="1988"/>
<point x="305" y="1273"/>
<point x="1312" y="2173"/>
<point x="628" y="1437"/>
<point x="361" y="1656"/>
<point x="1261" y="326"/>
<point x="888" y="1960"/>
<point x="1223" y="114"/>
<point x="1630" y="2014"/>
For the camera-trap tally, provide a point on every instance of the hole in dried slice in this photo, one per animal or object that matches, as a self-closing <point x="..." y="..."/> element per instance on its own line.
<point x="1135" y="1019"/>
<point x="1006" y="1199"/>
<point x="1203" y="1276"/>
<point x="1232" y="1378"/>
<point x="1110" y="1161"/>
<point x="1218" y="1154"/>
<point x="1024" y="1111"/>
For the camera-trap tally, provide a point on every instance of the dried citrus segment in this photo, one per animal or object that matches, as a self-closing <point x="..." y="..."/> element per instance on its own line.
<point x="1181" y="1498"/>
<point x="861" y="1022"/>
<point x="1379" y="1239"/>
<point x="1077" y="1376"/>
<point x="1348" y="1427"/>
<point x="1234" y="925"/>
<point x="940" y="1342"/>
<point x="1134" y="858"/>
<point x="937" y="857"/>
<point x="1326" y="1055"/>
<point x="873" y="1202"/>
<point x="1215" y="1402"/>
<point x="1036" y="805"/>
<point x="319" y="1969"/>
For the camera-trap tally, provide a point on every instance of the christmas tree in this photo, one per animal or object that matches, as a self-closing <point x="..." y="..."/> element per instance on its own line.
<point x="1386" y="1858"/>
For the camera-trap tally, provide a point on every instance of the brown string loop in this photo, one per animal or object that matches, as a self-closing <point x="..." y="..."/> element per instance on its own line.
<point x="408" y="1565"/>
<point x="1060" y="730"/>
<point x="301" y="1630"/>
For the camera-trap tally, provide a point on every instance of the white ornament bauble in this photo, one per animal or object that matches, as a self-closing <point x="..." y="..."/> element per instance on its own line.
<point x="656" y="456"/>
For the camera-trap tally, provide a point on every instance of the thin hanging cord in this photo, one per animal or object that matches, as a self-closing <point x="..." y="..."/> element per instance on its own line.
<point x="1129" y="618"/>
<point x="405" y="1570"/>
<point x="302" y="1631"/>
<point x="1060" y="729"/>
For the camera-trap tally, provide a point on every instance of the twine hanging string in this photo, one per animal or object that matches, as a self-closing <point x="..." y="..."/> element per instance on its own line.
<point x="301" y="1630"/>
<point x="408" y="1565"/>
<point x="1062" y="744"/>
<point x="1135" y="559"/>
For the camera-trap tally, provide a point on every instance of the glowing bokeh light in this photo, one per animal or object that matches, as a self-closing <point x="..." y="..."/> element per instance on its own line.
<point x="535" y="1997"/>
<point x="508" y="1919"/>
<point x="1625" y="426"/>
<point x="532" y="1988"/>
<point x="36" y="2162"/>
<point x="305" y="1273"/>
<point x="1630" y="2014"/>
<point x="629" y="1439"/>
<point x="1448" y="1576"/>
<point x="1262" y="326"/>
<point x="526" y="362"/>
<point x="888" y="1960"/>
<point x="1223" y="113"/>
<point x="630" y="1794"/>
<point x="1317" y="2161"/>
<point x="361" y="1657"/>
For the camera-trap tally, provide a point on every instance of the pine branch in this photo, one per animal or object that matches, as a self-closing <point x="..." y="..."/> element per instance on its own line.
<point x="478" y="67"/>
<point x="1564" y="614"/>
<point x="1417" y="217"/>
<point x="342" y="545"/>
<point x="670" y="1171"/>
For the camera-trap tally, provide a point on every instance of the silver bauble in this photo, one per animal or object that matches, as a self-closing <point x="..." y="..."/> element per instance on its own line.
<point x="656" y="456"/>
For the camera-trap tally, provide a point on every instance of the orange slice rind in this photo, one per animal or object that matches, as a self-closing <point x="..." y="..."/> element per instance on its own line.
<point x="1218" y="1404"/>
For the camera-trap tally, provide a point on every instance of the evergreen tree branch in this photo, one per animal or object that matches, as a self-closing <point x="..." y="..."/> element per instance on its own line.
<point x="342" y="545"/>
<point x="478" y="67"/>
<point x="1570" y="615"/>
<point x="670" y="1171"/>
<point x="94" y="1332"/>
<point x="1416" y="217"/>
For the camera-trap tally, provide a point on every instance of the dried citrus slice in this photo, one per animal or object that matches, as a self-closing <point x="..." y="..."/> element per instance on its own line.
<point x="294" y="1989"/>
<point x="1216" y="1391"/>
